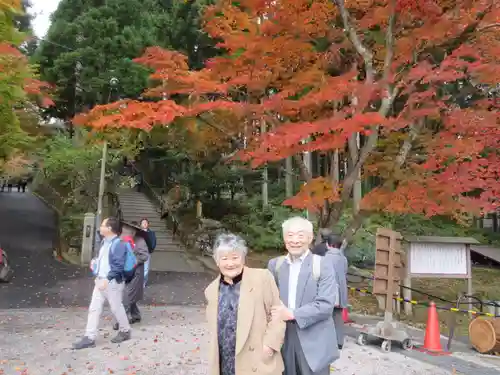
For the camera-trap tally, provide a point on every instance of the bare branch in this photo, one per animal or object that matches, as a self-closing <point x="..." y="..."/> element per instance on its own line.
<point x="356" y="41"/>
<point x="359" y="218"/>
<point x="491" y="26"/>
<point x="365" y="151"/>
<point x="352" y="144"/>
<point x="389" y="42"/>
<point x="407" y="144"/>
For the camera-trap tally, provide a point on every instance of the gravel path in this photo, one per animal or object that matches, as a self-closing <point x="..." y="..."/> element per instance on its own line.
<point x="27" y="231"/>
<point x="37" y="342"/>
<point x="43" y="310"/>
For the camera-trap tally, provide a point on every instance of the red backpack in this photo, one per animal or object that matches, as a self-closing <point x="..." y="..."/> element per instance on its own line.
<point x="130" y="240"/>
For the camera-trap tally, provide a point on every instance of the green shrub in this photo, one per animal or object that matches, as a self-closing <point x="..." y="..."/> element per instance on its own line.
<point x="261" y="228"/>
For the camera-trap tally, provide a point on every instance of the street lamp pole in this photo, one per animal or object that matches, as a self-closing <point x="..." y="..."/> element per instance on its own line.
<point x="113" y="82"/>
<point x="102" y="183"/>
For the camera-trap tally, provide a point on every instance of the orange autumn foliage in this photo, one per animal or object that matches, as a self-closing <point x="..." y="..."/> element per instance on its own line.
<point x="14" y="64"/>
<point x="318" y="73"/>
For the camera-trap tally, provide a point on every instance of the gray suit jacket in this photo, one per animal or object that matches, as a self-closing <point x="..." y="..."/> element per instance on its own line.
<point x="314" y="308"/>
<point x="340" y="266"/>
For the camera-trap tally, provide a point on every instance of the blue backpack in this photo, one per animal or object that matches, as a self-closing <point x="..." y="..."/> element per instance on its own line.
<point x="130" y="260"/>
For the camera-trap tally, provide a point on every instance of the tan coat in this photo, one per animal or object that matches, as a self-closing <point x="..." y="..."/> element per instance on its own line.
<point x="258" y="294"/>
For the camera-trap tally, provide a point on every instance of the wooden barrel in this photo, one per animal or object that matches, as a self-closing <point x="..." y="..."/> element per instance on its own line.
<point x="484" y="334"/>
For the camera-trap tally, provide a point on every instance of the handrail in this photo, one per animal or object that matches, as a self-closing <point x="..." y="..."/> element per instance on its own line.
<point x="115" y="203"/>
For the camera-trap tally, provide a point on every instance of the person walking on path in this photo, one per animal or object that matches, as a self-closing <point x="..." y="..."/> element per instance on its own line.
<point x="151" y="241"/>
<point x="109" y="269"/>
<point x="308" y="291"/>
<point x="340" y="267"/>
<point x="244" y="337"/>
<point x="134" y="289"/>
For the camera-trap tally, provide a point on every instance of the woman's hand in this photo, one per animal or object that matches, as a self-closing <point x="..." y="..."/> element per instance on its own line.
<point x="268" y="352"/>
<point x="282" y="313"/>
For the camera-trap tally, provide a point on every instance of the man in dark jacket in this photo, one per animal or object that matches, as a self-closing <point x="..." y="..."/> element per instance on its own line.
<point x="340" y="266"/>
<point x="151" y="245"/>
<point x="109" y="284"/>
<point x="321" y="248"/>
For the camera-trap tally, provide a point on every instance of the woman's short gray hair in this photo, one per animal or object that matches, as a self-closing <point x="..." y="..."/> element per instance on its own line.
<point x="227" y="242"/>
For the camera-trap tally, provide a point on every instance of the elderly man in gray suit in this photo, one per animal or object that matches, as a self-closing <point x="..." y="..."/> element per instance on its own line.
<point x="340" y="267"/>
<point x="308" y="292"/>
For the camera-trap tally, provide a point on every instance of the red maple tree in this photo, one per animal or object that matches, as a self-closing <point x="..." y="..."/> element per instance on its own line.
<point x="14" y="65"/>
<point x="413" y="80"/>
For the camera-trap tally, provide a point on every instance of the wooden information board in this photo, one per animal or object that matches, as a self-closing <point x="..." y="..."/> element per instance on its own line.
<point x="389" y="265"/>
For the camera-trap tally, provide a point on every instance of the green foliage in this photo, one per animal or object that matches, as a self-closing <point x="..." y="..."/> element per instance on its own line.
<point x="212" y="182"/>
<point x="184" y="31"/>
<point x="68" y="163"/>
<point x="104" y="37"/>
<point x="14" y="71"/>
<point x="261" y="228"/>
<point x="70" y="170"/>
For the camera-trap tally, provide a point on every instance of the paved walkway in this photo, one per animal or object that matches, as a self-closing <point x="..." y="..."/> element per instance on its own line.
<point x="27" y="231"/>
<point x="173" y="342"/>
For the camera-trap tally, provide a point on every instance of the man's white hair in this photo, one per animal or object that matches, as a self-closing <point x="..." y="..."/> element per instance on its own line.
<point x="228" y="242"/>
<point x="297" y="223"/>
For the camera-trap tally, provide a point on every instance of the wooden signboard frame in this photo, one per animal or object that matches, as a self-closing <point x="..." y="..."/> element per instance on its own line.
<point x="466" y="241"/>
<point x="389" y="268"/>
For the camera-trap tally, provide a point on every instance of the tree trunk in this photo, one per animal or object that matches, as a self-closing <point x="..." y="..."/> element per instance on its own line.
<point x="308" y="166"/>
<point x="265" y="191"/>
<point x="289" y="177"/>
<point x="335" y="167"/>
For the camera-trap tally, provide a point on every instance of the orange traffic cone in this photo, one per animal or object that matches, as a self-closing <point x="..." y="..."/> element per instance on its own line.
<point x="345" y="316"/>
<point x="432" y="341"/>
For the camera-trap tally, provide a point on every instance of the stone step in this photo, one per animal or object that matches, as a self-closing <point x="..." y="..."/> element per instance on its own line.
<point x="129" y="202"/>
<point x="139" y="212"/>
<point x="136" y="202"/>
<point x="170" y="254"/>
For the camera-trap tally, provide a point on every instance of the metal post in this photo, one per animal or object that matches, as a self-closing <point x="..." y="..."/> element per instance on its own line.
<point x="113" y="83"/>
<point x="102" y="186"/>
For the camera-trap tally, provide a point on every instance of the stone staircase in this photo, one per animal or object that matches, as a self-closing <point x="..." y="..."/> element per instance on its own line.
<point x="170" y="255"/>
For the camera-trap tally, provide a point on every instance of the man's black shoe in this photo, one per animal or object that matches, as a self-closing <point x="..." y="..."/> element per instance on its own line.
<point x="121" y="337"/>
<point x="340" y="347"/>
<point x="116" y="326"/>
<point x="84" y="343"/>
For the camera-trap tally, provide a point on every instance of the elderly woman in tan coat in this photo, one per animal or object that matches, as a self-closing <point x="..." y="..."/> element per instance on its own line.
<point x="244" y="337"/>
